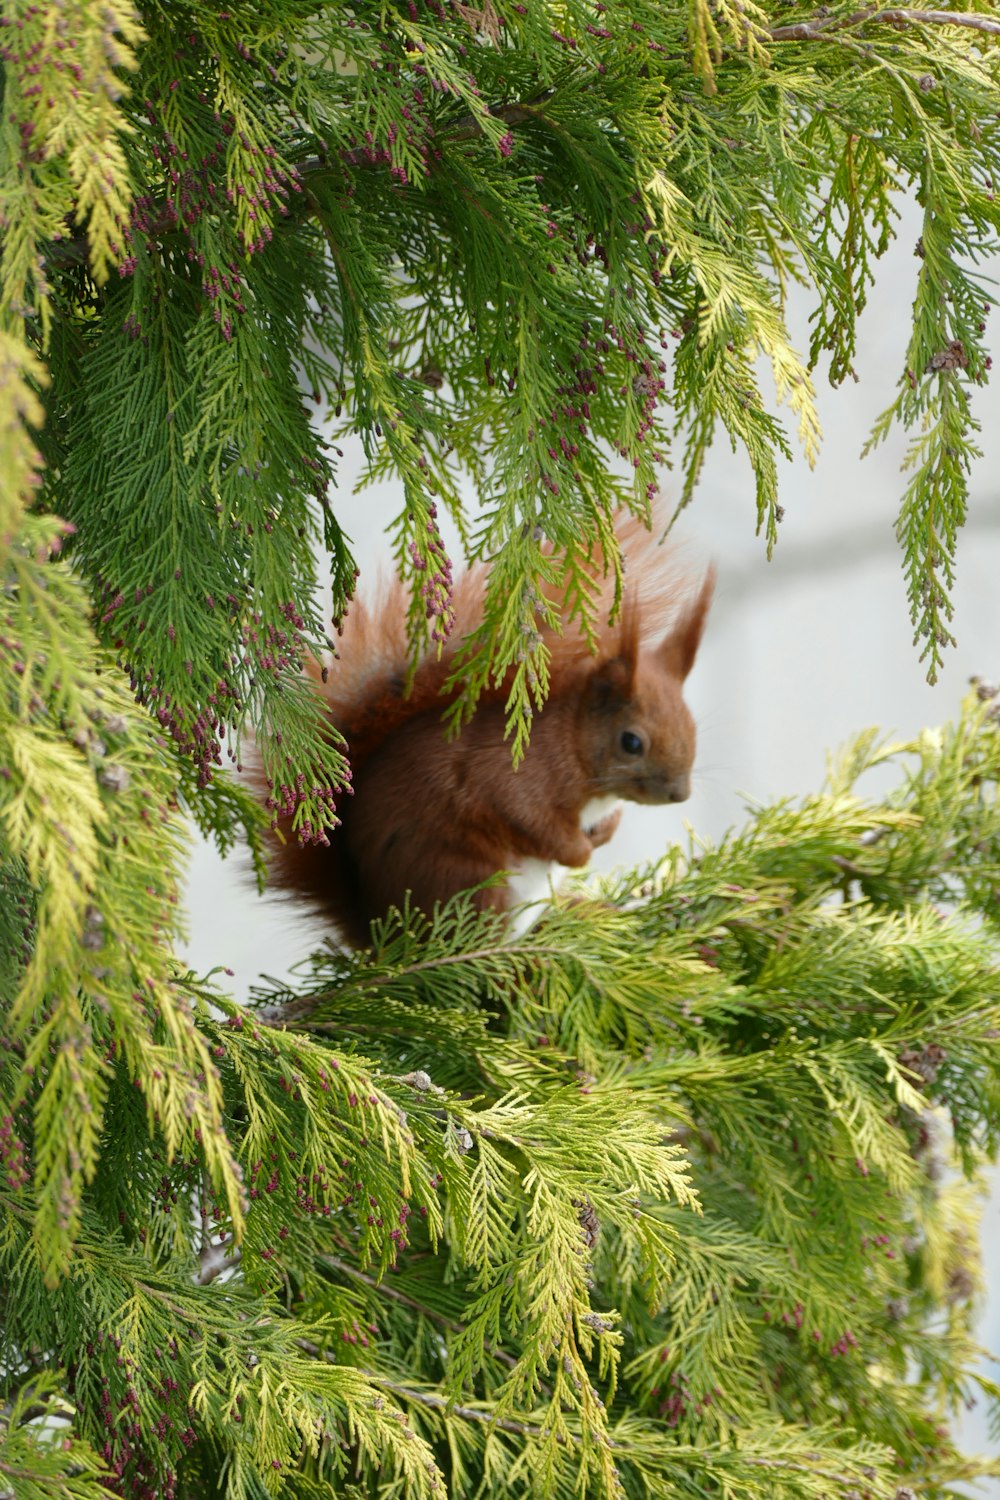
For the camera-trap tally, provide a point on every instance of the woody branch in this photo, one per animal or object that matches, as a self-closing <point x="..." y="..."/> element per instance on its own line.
<point x="822" y="26"/>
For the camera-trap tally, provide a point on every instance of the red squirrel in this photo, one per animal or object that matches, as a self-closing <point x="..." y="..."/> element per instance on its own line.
<point x="433" y="816"/>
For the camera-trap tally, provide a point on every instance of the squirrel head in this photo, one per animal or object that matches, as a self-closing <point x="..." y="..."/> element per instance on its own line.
<point x="637" y="738"/>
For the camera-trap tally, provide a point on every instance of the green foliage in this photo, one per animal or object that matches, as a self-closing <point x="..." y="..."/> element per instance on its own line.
<point x="90" y="843"/>
<point x="40" y="1457"/>
<point x="501" y="241"/>
<point x="648" y="1202"/>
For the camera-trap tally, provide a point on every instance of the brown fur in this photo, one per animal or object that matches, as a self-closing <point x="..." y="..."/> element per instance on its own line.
<point x="433" y="816"/>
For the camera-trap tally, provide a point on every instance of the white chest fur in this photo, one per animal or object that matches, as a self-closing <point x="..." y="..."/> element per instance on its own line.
<point x="598" y="808"/>
<point x="534" y="881"/>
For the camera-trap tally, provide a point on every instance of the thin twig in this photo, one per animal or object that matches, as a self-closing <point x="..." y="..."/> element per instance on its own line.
<point x="525" y="1429"/>
<point x="213" y="1260"/>
<point x="794" y="1468"/>
<point x="468" y="1413"/>
<point x="29" y="1413"/>
<point x="822" y="26"/>
<point x="297" y="1011"/>
<point x="30" y="1476"/>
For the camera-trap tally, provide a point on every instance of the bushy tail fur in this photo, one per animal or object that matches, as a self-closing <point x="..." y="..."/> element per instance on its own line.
<point x="365" y="686"/>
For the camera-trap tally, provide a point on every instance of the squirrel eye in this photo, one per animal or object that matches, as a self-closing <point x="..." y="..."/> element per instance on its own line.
<point x="631" y="743"/>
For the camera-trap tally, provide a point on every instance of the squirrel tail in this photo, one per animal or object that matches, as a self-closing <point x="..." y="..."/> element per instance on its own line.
<point x="368" y="687"/>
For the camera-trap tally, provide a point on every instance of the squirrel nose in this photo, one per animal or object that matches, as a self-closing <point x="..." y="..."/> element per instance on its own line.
<point x="678" y="788"/>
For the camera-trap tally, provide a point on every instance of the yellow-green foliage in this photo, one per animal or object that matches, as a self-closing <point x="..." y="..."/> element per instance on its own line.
<point x="649" y="1202"/>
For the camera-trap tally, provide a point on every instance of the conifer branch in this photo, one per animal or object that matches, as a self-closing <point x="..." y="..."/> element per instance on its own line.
<point x="465" y="1413"/>
<point x="370" y="972"/>
<point x="434" y="1402"/>
<point x="491" y="1418"/>
<point x="664" y="1168"/>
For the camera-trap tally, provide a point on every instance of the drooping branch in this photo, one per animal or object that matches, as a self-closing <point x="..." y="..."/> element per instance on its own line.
<point x="163" y="221"/>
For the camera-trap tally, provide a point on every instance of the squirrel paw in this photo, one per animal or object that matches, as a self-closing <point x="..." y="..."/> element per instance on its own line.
<point x="600" y="832"/>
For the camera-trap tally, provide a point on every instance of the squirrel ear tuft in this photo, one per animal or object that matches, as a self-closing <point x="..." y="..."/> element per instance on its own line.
<point x="629" y="632"/>
<point x="678" y="649"/>
<point x="612" y="681"/>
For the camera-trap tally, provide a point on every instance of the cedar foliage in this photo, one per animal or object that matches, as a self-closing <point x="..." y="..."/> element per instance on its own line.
<point x="651" y="1201"/>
